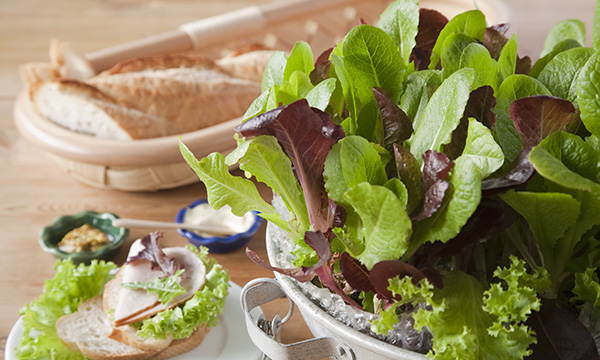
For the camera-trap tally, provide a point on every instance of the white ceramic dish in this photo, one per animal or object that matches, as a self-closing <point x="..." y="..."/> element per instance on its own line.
<point x="227" y="341"/>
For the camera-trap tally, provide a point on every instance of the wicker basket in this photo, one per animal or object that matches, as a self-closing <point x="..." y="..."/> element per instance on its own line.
<point x="153" y="164"/>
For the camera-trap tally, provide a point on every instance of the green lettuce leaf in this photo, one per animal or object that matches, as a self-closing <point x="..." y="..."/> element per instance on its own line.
<point x="401" y="22"/>
<point x="273" y="73"/>
<point x="487" y="70"/>
<point x="204" y="307"/>
<point x="265" y="159"/>
<point x="442" y="114"/>
<point x="385" y="225"/>
<point x="166" y="288"/>
<point x="566" y="29"/>
<point x="471" y="23"/>
<point x="507" y="60"/>
<point x="373" y="60"/>
<point x="588" y="87"/>
<point x="351" y="161"/>
<point x="587" y="287"/>
<point x="558" y="48"/>
<point x="301" y="59"/>
<point x="482" y="149"/>
<point x="461" y="200"/>
<point x="561" y="74"/>
<point x="223" y="188"/>
<point x="420" y="86"/>
<point x="71" y="285"/>
<point x="451" y="52"/>
<point x="456" y="336"/>
<point x="511" y="303"/>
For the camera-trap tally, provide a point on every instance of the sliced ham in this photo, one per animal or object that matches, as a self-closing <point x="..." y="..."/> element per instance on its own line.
<point x="133" y="305"/>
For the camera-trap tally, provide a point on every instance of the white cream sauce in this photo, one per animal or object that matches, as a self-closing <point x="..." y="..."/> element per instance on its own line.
<point x="204" y="214"/>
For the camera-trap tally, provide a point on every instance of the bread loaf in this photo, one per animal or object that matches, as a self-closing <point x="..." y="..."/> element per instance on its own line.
<point x="146" y="97"/>
<point x="83" y="108"/>
<point x="190" y="93"/>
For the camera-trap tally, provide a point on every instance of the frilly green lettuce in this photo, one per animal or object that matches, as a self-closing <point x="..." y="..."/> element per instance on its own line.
<point x="71" y="285"/>
<point x="467" y="322"/>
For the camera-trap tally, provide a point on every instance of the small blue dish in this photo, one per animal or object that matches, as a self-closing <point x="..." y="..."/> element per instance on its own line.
<point x="217" y="244"/>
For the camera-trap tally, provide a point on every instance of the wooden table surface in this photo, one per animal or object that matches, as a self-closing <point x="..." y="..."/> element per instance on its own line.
<point x="33" y="190"/>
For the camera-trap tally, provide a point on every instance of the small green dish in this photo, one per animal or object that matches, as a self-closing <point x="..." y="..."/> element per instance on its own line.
<point x="51" y="235"/>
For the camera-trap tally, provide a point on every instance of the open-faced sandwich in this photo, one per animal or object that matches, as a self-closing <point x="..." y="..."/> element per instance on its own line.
<point x="160" y="303"/>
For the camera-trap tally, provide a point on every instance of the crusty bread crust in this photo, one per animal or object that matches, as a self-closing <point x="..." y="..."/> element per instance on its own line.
<point x="190" y="93"/>
<point x="181" y="346"/>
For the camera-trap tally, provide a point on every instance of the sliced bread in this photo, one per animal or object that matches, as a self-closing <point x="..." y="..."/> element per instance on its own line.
<point x="190" y="93"/>
<point x="87" y="330"/>
<point x="83" y="108"/>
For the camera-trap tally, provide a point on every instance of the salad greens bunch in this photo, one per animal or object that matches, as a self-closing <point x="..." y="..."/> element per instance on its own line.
<point x="429" y="169"/>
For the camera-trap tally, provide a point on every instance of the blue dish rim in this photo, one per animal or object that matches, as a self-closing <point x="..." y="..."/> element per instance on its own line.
<point x="222" y="240"/>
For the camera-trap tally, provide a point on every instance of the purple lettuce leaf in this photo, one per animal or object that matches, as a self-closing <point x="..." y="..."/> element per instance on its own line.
<point x="518" y="173"/>
<point x="494" y="40"/>
<point x="455" y="147"/>
<point x="536" y="117"/>
<point x="355" y="273"/>
<point x="409" y="171"/>
<point x="322" y="65"/>
<point x="560" y="335"/>
<point x="306" y="135"/>
<point x="523" y="65"/>
<point x="431" y="22"/>
<point x="481" y="106"/>
<point x="153" y="253"/>
<point x="436" y="168"/>
<point x="397" y="126"/>
<point x="326" y="276"/>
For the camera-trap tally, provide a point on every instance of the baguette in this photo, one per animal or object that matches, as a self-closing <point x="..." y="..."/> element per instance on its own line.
<point x="83" y="108"/>
<point x="144" y="97"/>
<point x="190" y="93"/>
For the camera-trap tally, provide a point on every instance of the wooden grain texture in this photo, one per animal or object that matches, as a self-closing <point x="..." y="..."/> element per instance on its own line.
<point x="33" y="190"/>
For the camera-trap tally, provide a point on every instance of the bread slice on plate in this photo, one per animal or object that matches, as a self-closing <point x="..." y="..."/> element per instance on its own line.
<point x="88" y="329"/>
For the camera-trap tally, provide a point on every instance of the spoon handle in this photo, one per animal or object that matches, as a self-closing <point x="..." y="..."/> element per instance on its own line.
<point x="136" y="223"/>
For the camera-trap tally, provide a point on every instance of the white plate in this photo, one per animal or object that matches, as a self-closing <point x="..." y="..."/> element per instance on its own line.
<point x="227" y="341"/>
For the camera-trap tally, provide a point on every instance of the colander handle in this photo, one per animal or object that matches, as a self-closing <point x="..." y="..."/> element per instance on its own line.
<point x="265" y="334"/>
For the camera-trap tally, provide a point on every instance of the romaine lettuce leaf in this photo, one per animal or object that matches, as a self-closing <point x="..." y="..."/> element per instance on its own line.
<point x="587" y="91"/>
<point x="442" y="114"/>
<point x="400" y="21"/>
<point x="351" y="161"/>
<point x="470" y="23"/>
<point x="386" y="227"/>
<point x="566" y="29"/>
